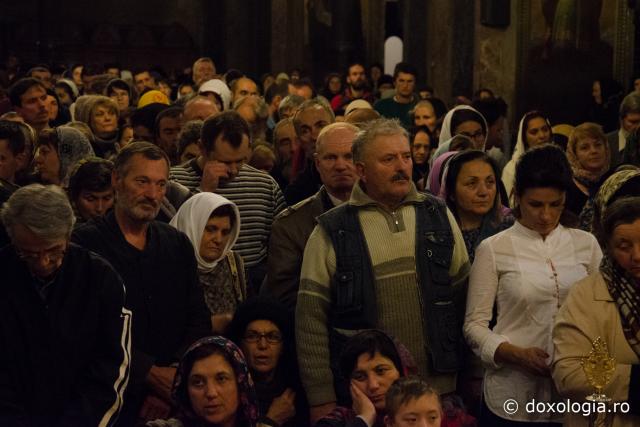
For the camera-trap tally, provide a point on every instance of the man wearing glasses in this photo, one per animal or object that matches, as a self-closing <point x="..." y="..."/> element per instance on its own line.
<point x="64" y="332"/>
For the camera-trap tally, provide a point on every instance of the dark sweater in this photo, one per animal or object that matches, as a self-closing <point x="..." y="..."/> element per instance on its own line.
<point x="64" y="358"/>
<point x="162" y="292"/>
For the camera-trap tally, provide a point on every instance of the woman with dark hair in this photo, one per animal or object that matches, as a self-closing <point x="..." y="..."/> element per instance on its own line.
<point x="67" y="92"/>
<point x="58" y="113"/>
<point x="121" y="93"/>
<point x="422" y="145"/>
<point x="370" y="362"/>
<point x="471" y="193"/>
<point x="90" y="190"/>
<point x="263" y="329"/>
<point x="212" y="387"/>
<point x="613" y="293"/>
<point x="332" y="85"/>
<point x="526" y="272"/>
<point x="534" y="130"/>
<point x="606" y="95"/>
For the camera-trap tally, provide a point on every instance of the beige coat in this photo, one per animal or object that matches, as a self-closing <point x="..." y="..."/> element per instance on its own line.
<point x="590" y="312"/>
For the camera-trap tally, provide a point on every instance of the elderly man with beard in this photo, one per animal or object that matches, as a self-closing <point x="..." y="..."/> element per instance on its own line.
<point x="159" y="270"/>
<point x="387" y="258"/>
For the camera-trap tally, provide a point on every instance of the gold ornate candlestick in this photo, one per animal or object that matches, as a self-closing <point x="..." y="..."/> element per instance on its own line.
<point x="599" y="367"/>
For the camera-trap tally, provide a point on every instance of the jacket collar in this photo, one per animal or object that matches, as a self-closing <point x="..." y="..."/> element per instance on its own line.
<point x="360" y="198"/>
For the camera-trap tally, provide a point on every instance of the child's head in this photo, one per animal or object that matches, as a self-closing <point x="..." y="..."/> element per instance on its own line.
<point x="412" y="402"/>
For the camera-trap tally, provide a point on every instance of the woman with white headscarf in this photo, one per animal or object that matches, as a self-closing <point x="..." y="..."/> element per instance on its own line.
<point x="462" y="120"/>
<point x="212" y="223"/>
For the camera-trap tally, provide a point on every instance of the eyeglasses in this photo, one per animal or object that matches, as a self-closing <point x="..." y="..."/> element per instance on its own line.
<point x="272" y="337"/>
<point x="48" y="255"/>
<point x="476" y="135"/>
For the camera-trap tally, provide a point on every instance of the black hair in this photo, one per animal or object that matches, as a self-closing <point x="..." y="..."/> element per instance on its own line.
<point x="16" y="139"/>
<point x="414" y="130"/>
<point x="187" y="362"/>
<point x="119" y="84"/>
<point x="64" y="85"/>
<point x="20" y="87"/>
<point x="525" y="124"/>
<point x="228" y="124"/>
<point x="491" y="109"/>
<point x="368" y="342"/>
<point x="466" y="115"/>
<point x="543" y="166"/>
<point x="454" y="166"/>
<point x="173" y="112"/>
<point x="275" y="89"/>
<point x="439" y="107"/>
<point x="92" y="174"/>
<point x="148" y="150"/>
<point x="406" y="68"/>
<point x="305" y="81"/>
<point x="225" y="211"/>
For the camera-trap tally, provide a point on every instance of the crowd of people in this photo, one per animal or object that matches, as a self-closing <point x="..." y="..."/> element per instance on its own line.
<point x="216" y="250"/>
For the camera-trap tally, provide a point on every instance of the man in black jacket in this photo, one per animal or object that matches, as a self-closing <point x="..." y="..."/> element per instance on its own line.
<point x="159" y="269"/>
<point x="64" y="332"/>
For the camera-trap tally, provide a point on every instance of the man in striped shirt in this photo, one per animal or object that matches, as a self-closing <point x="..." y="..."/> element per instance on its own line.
<point x="221" y="168"/>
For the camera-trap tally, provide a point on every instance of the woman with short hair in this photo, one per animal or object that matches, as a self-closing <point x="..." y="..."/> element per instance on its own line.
<point x="589" y="156"/>
<point x="369" y="364"/>
<point x="263" y="328"/>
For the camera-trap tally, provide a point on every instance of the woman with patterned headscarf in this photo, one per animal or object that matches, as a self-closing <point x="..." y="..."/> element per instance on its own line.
<point x="613" y="295"/>
<point x="212" y="387"/>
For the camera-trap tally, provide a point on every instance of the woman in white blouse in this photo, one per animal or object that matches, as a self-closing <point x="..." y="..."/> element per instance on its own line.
<point x="526" y="271"/>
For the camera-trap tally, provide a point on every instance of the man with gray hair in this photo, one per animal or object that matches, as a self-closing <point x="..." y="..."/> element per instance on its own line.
<point x="310" y="118"/>
<point x="629" y="122"/>
<point x="64" y="332"/>
<point x="292" y="227"/>
<point x="388" y="258"/>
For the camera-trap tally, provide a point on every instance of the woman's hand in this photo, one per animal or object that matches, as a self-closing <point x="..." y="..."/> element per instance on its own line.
<point x="282" y="408"/>
<point x="532" y="359"/>
<point x="362" y="405"/>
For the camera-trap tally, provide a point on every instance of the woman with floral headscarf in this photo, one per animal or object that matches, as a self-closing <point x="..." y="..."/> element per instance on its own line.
<point x="212" y="387"/>
<point x="613" y="294"/>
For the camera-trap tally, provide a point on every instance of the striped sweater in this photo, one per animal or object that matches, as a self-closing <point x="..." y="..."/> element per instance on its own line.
<point x="391" y="244"/>
<point x="258" y="198"/>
